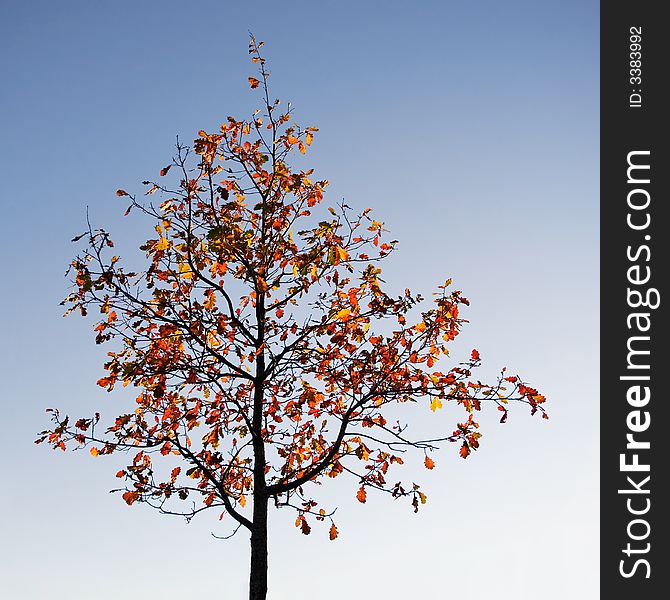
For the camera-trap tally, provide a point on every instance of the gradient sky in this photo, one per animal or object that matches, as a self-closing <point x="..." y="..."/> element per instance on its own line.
<point x="471" y="128"/>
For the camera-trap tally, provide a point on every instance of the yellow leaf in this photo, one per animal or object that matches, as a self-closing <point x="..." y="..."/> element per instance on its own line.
<point x="420" y="327"/>
<point x="342" y="253"/>
<point x="435" y="403"/>
<point x="343" y="314"/>
<point x="162" y="244"/>
<point x="94" y="451"/>
<point x="243" y="501"/>
<point x="185" y="271"/>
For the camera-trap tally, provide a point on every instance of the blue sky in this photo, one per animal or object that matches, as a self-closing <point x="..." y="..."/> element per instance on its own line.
<point x="471" y="129"/>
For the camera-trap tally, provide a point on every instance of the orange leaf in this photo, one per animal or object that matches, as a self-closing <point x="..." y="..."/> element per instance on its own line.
<point x="475" y="355"/>
<point x="164" y="170"/>
<point x="429" y="463"/>
<point x="253" y="82"/>
<point x="464" y="451"/>
<point x="362" y="495"/>
<point x="332" y="534"/>
<point x="94" y="451"/>
<point x="130" y="497"/>
<point x="122" y="193"/>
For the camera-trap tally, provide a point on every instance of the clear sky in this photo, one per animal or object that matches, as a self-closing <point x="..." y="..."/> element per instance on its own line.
<point x="471" y="128"/>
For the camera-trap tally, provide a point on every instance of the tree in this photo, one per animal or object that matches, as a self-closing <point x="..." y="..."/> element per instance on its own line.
<point x="264" y="349"/>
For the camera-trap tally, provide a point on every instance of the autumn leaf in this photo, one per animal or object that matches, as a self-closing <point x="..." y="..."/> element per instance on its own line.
<point x="464" y="451"/>
<point x="253" y="82"/>
<point x="122" y="193"/>
<point x="304" y="526"/>
<point x="343" y="314"/>
<point x="164" y="170"/>
<point x="361" y="495"/>
<point x="435" y="403"/>
<point x="475" y="355"/>
<point x="332" y="533"/>
<point x="185" y="271"/>
<point x="130" y="497"/>
<point x="429" y="463"/>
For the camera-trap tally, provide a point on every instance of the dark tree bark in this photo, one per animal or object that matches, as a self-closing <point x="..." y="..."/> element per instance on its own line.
<point x="258" y="579"/>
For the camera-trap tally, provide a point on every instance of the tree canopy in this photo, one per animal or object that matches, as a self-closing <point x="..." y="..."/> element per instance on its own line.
<point x="262" y="344"/>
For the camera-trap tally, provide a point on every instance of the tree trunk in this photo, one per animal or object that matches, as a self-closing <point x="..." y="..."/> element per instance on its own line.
<point x="258" y="579"/>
